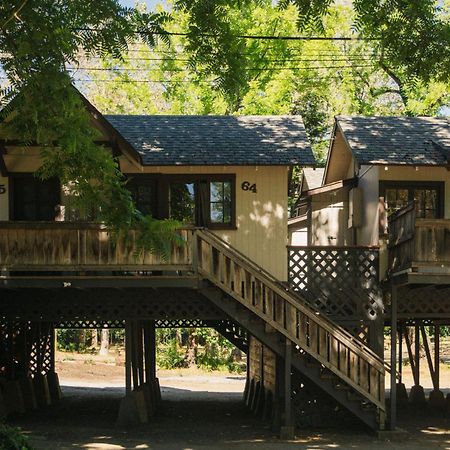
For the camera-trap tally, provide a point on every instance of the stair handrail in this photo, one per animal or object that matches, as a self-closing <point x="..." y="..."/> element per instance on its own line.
<point x="332" y="327"/>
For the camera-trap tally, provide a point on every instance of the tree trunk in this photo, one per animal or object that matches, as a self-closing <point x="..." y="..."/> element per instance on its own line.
<point x="104" y="346"/>
<point x="94" y="338"/>
<point x="191" y="350"/>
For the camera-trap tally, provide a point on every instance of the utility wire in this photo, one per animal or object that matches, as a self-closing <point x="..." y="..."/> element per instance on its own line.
<point x="135" y="69"/>
<point x="250" y="36"/>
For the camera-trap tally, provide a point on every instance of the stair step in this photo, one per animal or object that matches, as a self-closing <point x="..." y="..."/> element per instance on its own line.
<point x="353" y="396"/>
<point x="367" y="406"/>
<point x="327" y="375"/>
<point x="341" y="387"/>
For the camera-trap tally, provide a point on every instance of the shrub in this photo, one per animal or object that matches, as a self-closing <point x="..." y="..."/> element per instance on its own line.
<point x="12" y="439"/>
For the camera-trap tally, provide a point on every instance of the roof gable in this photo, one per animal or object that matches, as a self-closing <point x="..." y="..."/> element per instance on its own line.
<point x="397" y="140"/>
<point x="216" y="140"/>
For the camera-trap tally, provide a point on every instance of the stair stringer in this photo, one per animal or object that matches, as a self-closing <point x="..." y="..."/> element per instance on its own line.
<point x="275" y="341"/>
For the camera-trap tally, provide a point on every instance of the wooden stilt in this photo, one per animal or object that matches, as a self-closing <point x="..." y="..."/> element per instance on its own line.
<point x="417" y="394"/>
<point x="139" y="352"/>
<point x="437" y="399"/>
<point x="417" y="352"/>
<point x="437" y="332"/>
<point x="400" y="352"/>
<point x="128" y="347"/>
<point x="402" y="395"/>
<point x="134" y="358"/>
<point x="393" y="413"/>
<point x="287" y="430"/>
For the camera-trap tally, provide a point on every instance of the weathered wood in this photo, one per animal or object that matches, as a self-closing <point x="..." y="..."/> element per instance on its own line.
<point x="314" y="331"/>
<point x="414" y="242"/>
<point x="58" y="246"/>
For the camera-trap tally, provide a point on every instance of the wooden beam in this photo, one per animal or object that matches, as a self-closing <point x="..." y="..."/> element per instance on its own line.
<point x="411" y="356"/>
<point x="393" y="414"/>
<point x="437" y="332"/>
<point x="428" y="355"/>
<point x="128" y="350"/>
<point x="3" y="169"/>
<point x="417" y="352"/>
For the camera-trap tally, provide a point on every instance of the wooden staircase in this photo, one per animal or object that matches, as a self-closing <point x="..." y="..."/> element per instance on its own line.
<point x="324" y="352"/>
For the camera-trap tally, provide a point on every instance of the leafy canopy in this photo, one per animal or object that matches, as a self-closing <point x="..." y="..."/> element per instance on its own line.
<point x="406" y="71"/>
<point x="38" y="39"/>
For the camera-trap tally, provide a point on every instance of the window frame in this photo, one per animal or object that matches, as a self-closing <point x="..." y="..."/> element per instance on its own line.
<point x="162" y="191"/>
<point x="15" y="178"/>
<point x="410" y="186"/>
<point x="196" y="178"/>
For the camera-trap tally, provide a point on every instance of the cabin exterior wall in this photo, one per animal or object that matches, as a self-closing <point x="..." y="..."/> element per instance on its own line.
<point x="368" y="233"/>
<point x="4" y="198"/>
<point x="261" y="217"/>
<point x="329" y="218"/>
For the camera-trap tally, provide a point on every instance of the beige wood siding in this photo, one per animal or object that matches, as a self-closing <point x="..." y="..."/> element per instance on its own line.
<point x="340" y="164"/>
<point x="367" y="234"/>
<point x="261" y="218"/>
<point x="330" y="218"/>
<point x="23" y="160"/>
<point x="4" y="199"/>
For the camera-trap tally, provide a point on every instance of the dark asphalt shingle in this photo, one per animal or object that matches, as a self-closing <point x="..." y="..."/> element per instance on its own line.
<point x="398" y="140"/>
<point x="216" y="140"/>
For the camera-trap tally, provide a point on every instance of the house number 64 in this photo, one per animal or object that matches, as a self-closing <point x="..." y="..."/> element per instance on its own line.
<point x="246" y="186"/>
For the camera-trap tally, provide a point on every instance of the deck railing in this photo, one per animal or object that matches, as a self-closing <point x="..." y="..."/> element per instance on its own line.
<point x="415" y="242"/>
<point x="339" y="351"/>
<point x="78" y="246"/>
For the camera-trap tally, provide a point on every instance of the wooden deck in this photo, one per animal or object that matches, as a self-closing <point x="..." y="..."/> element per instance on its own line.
<point x="419" y="249"/>
<point x="87" y="255"/>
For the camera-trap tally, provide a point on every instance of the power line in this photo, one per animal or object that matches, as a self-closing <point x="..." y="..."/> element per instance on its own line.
<point x="105" y="80"/>
<point x="363" y="58"/>
<point x="135" y="69"/>
<point x="251" y="36"/>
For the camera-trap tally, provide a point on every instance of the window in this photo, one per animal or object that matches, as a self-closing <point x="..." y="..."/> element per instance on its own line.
<point x="143" y="191"/>
<point x="427" y="196"/>
<point x="220" y="202"/>
<point x="203" y="201"/>
<point x="35" y="199"/>
<point x="182" y="202"/>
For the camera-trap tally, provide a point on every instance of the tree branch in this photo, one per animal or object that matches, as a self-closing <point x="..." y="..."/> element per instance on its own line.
<point x="401" y="90"/>
<point x="14" y="14"/>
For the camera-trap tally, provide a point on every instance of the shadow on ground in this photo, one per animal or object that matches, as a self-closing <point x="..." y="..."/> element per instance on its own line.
<point x="85" y="419"/>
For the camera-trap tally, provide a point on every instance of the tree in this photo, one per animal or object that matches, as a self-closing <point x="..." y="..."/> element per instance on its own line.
<point x="314" y="78"/>
<point x="407" y="42"/>
<point x="38" y="40"/>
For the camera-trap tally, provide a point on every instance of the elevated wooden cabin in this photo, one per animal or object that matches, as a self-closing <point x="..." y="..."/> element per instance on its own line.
<point x="387" y="186"/>
<point x="227" y="179"/>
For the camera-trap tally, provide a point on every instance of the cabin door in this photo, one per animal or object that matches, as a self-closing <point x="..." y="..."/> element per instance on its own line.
<point x="34" y="199"/>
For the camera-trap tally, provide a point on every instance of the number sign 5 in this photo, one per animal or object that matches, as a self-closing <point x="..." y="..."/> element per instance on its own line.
<point x="2" y="189"/>
<point x="246" y="186"/>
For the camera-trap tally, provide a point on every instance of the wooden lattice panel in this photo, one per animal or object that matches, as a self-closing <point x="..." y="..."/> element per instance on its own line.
<point x="340" y="282"/>
<point x="423" y="302"/>
<point x="26" y="349"/>
<point x="106" y="305"/>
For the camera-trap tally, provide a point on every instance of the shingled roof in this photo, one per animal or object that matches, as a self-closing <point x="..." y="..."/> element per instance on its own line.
<point x="216" y="140"/>
<point x="398" y="140"/>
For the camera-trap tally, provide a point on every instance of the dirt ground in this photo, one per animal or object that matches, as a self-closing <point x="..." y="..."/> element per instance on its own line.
<point x="201" y="411"/>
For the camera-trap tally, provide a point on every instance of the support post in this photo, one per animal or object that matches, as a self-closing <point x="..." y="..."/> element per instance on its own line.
<point x="402" y="395"/>
<point x="128" y="347"/>
<point x="437" y="400"/>
<point x="287" y="430"/>
<point x="393" y="414"/>
<point x="417" y="394"/>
